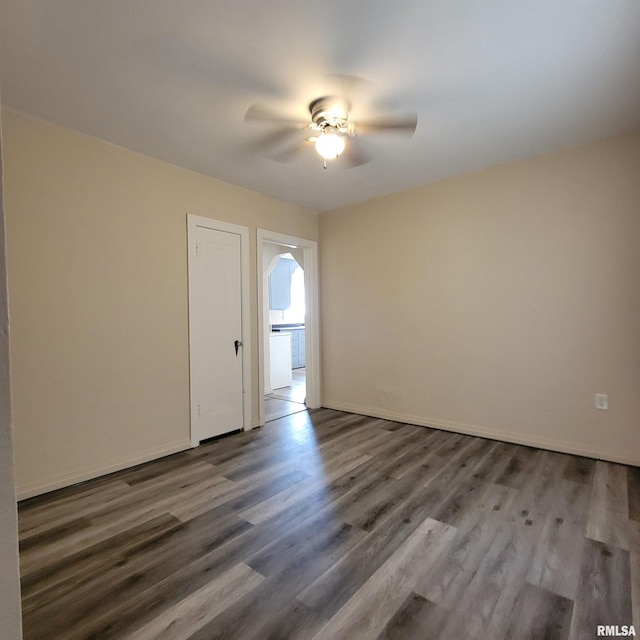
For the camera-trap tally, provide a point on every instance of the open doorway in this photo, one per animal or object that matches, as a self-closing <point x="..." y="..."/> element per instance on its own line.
<point x="288" y="332"/>
<point x="285" y="358"/>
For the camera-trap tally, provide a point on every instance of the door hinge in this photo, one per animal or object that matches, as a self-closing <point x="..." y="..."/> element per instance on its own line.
<point x="199" y="412"/>
<point x="196" y="248"/>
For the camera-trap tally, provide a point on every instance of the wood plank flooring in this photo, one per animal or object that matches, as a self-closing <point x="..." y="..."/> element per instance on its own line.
<point x="287" y="400"/>
<point x="325" y="526"/>
<point x="275" y="407"/>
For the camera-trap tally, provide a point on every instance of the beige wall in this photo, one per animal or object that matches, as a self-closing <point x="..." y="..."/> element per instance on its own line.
<point x="97" y="261"/>
<point x="497" y="303"/>
<point x="10" y="622"/>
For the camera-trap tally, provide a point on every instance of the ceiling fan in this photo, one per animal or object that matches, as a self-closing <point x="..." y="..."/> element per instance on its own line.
<point x="329" y="129"/>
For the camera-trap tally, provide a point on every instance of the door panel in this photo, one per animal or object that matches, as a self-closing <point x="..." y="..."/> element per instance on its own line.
<point x="217" y="324"/>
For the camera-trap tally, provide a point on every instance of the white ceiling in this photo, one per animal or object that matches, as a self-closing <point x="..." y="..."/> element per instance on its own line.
<point x="491" y="81"/>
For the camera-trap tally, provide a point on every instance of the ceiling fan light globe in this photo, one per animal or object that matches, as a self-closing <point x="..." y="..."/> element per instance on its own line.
<point x="330" y="145"/>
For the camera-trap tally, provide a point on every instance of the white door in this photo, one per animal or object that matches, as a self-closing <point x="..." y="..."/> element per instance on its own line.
<point x="216" y="328"/>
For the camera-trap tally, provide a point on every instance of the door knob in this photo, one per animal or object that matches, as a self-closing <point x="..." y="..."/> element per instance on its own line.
<point x="237" y="344"/>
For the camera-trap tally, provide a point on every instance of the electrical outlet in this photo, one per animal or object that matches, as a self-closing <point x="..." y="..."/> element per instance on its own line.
<point x="602" y="401"/>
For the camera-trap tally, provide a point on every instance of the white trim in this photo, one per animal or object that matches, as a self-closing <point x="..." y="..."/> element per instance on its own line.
<point x="312" y="316"/>
<point x="263" y="294"/>
<point x="193" y="222"/>
<point x="89" y="473"/>
<point x="561" y="446"/>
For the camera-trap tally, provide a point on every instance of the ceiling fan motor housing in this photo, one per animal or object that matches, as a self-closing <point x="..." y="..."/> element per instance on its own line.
<point x="329" y="112"/>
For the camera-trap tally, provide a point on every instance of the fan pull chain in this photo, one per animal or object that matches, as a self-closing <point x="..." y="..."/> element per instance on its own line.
<point x="324" y="163"/>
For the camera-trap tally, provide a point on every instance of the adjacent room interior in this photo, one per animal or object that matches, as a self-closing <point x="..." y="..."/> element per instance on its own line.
<point x="285" y="355"/>
<point x="437" y="427"/>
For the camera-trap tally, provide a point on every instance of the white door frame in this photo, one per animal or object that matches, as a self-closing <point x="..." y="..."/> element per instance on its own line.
<point x="312" y="316"/>
<point x="193" y="222"/>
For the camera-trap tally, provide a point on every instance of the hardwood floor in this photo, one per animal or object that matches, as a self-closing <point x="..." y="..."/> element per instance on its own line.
<point x="287" y="400"/>
<point x="297" y="391"/>
<point x="326" y="525"/>
<point x="275" y="408"/>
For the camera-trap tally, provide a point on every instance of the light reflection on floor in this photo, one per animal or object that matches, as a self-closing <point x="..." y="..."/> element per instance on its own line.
<point x="302" y="431"/>
<point x="299" y="443"/>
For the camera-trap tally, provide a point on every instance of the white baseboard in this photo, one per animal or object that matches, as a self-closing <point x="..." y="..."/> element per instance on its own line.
<point x="89" y="473"/>
<point x="492" y="434"/>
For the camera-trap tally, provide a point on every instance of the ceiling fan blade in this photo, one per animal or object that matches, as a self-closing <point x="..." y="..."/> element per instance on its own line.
<point x="290" y="153"/>
<point x="279" y="138"/>
<point x="354" y="155"/>
<point x="400" y="124"/>
<point x="262" y="113"/>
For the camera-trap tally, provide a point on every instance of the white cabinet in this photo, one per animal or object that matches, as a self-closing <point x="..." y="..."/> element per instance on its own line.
<point x="280" y="357"/>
